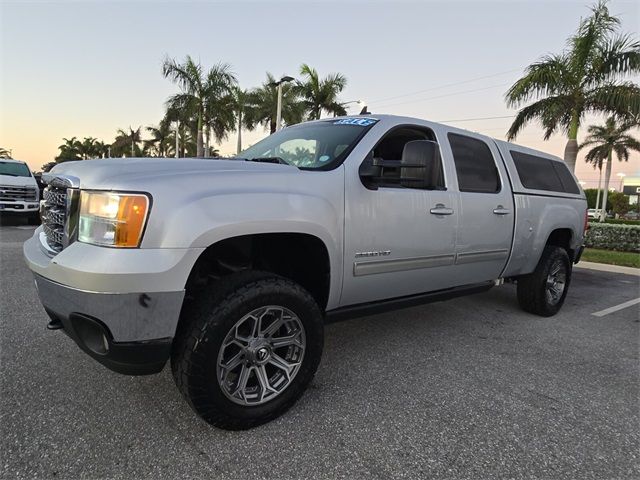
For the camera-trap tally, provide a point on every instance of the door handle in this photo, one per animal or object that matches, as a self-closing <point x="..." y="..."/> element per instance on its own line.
<point x="440" y="209"/>
<point x="500" y="210"/>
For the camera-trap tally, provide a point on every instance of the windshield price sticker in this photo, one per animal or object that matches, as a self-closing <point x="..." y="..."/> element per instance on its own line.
<point x="363" y="122"/>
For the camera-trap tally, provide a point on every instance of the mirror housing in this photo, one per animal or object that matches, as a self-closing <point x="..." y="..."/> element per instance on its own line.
<point x="421" y="166"/>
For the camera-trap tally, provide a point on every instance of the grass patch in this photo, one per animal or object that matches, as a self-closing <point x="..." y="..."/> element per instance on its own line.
<point x="625" y="259"/>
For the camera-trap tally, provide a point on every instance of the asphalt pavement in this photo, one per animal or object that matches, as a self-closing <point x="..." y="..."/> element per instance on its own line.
<point x="468" y="388"/>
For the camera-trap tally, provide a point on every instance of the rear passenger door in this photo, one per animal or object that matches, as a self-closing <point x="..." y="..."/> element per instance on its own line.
<point x="486" y="209"/>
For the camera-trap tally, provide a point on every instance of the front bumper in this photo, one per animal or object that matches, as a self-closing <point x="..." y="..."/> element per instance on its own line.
<point x="91" y="318"/>
<point x="19" y="207"/>
<point x="121" y="306"/>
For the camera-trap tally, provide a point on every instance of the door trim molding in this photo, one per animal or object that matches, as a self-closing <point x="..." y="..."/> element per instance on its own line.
<point x="483" y="256"/>
<point x="401" y="264"/>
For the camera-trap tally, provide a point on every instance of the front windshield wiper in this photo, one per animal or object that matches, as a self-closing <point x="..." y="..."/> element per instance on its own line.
<point x="279" y="160"/>
<point x="11" y="174"/>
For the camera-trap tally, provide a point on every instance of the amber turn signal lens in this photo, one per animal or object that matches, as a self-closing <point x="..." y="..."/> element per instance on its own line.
<point x="131" y="217"/>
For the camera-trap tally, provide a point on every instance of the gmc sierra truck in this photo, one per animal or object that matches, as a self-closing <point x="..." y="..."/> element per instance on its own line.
<point x="230" y="268"/>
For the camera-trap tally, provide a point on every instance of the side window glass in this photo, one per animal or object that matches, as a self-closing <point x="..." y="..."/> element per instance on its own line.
<point x="538" y="173"/>
<point x="475" y="166"/>
<point x="387" y="154"/>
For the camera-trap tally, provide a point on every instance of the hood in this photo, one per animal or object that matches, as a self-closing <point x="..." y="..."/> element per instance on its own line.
<point x="136" y="173"/>
<point x="17" y="181"/>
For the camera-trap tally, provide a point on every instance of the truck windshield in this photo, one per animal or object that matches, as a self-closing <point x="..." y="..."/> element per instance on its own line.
<point x="14" y="169"/>
<point x="315" y="146"/>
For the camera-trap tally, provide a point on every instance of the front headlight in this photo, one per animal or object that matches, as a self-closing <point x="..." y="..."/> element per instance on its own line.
<point x="112" y="219"/>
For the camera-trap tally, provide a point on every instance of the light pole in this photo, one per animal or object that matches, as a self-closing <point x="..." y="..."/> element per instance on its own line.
<point x="621" y="175"/>
<point x="278" y="84"/>
<point x="361" y="103"/>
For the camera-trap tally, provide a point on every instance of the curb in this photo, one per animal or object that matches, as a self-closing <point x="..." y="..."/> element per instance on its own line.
<point x="604" y="267"/>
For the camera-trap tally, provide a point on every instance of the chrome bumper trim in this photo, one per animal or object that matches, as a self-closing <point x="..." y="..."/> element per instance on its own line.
<point x="130" y="317"/>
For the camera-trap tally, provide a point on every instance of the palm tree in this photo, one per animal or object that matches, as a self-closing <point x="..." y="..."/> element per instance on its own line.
<point x="89" y="147"/>
<point x="4" y="153"/>
<point x="263" y="102"/>
<point x="321" y="94"/>
<point x="101" y="149"/>
<point x="586" y="78"/>
<point x="69" y="150"/>
<point x="128" y="139"/>
<point x="199" y="92"/>
<point x="162" y="139"/>
<point x="242" y="109"/>
<point x="605" y="140"/>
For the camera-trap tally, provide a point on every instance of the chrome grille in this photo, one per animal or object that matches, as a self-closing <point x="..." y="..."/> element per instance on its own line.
<point x="53" y="213"/>
<point x="12" y="193"/>
<point x="55" y="196"/>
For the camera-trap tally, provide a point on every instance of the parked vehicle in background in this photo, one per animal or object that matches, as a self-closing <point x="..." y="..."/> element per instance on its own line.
<point x="19" y="194"/>
<point x="41" y="184"/>
<point x="594" y="213"/>
<point x="230" y="267"/>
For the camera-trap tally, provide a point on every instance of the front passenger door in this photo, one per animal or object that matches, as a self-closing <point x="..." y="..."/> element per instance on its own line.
<point x="398" y="241"/>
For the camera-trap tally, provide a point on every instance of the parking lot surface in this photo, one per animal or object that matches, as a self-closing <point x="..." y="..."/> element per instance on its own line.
<point x="469" y="388"/>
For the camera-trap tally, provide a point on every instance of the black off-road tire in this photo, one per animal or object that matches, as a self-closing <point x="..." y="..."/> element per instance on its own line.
<point x="206" y="321"/>
<point x="532" y="295"/>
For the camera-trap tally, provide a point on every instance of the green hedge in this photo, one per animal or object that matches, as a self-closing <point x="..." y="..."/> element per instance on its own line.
<point x="622" y="222"/>
<point x="624" y="238"/>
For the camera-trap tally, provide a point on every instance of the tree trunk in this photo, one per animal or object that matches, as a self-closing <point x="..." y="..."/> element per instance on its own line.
<point x="570" y="154"/>
<point x="207" y="134"/>
<point x="239" y="146"/>
<point x="133" y="154"/>
<point x="199" y="143"/>
<point x="571" y="150"/>
<point x="272" y="125"/>
<point x="599" y="187"/>
<point x="607" y="177"/>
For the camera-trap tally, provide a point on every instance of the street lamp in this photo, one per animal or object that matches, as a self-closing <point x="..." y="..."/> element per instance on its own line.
<point x="621" y="175"/>
<point x="278" y="84"/>
<point x="361" y="103"/>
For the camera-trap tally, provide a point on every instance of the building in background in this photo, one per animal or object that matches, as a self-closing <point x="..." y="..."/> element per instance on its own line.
<point x="631" y="187"/>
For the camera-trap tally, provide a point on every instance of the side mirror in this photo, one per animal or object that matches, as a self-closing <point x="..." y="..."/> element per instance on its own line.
<point x="421" y="166"/>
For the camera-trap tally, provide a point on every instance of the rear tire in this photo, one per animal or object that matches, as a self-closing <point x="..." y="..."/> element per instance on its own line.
<point x="233" y="323"/>
<point x="543" y="292"/>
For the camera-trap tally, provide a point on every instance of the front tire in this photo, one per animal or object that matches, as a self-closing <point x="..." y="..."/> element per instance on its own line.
<point x="543" y="292"/>
<point x="247" y="351"/>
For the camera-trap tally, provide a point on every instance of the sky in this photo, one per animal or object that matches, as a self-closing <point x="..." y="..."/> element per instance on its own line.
<point x="86" y="68"/>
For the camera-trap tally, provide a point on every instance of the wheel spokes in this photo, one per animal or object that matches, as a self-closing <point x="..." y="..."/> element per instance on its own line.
<point x="263" y="380"/>
<point x="293" y="339"/>
<point x="275" y="325"/>
<point x="241" y="387"/>
<point x="280" y="363"/>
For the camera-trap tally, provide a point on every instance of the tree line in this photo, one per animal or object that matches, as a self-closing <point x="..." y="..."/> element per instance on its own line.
<point x="208" y="107"/>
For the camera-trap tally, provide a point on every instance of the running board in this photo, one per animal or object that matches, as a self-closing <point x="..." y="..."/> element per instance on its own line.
<point x="372" y="308"/>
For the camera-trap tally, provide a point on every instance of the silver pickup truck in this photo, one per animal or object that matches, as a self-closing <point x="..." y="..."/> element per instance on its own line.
<point x="230" y="268"/>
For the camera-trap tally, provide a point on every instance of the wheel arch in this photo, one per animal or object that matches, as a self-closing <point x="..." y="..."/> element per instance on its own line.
<point x="301" y="257"/>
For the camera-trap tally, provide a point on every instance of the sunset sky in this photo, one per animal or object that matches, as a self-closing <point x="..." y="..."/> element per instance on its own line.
<point x="87" y="68"/>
